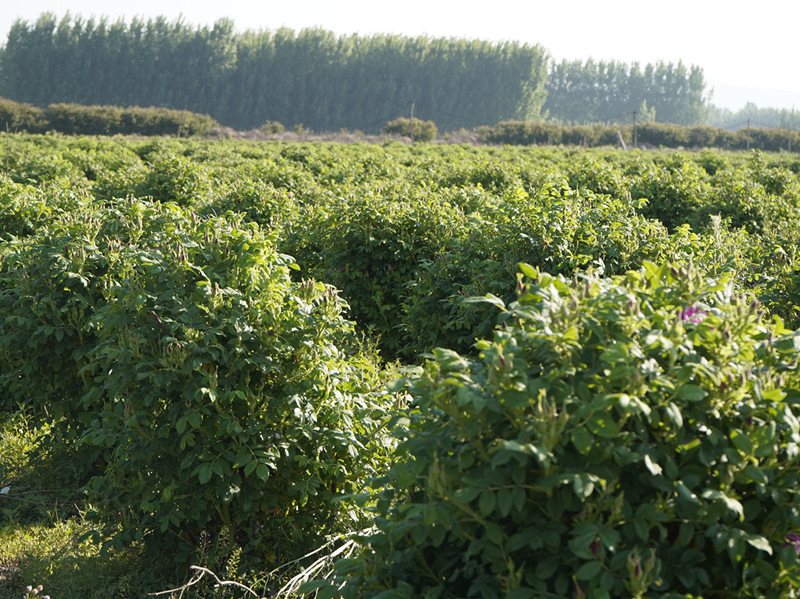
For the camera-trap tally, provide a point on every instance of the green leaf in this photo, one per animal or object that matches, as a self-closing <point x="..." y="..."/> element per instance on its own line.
<point x="742" y="442"/>
<point x="489" y="298"/>
<point x="759" y="542"/>
<point x="685" y="493"/>
<point x="504" y="501"/>
<point x="582" y="439"/>
<point x="262" y="472"/>
<point x="602" y="425"/>
<point x="583" y="485"/>
<point x="494" y="532"/>
<point x="589" y="570"/>
<point x="194" y="419"/>
<point x="755" y="474"/>
<point x="519" y="498"/>
<point x="528" y="270"/>
<point x="466" y="494"/>
<point x="311" y="585"/>
<point x="674" y="415"/>
<point x="773" y="394"/>
<point x="204" y="473"/>
<point x="691" y="393"/>
<point x="243" y="460"/>
<point x="521" y="594"/>
<point x="730" y="503"/>
<point x="487" y="502"/>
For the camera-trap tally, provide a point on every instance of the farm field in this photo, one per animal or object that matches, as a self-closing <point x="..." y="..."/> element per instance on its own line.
<point x="473" y="371"/>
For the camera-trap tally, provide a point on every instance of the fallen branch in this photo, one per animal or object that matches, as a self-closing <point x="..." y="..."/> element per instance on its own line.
<point x="198" y="576"/>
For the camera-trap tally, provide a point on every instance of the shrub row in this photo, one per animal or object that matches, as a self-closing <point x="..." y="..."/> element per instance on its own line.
<point x="628" y="436"/>
<point x="652" y="134"/>
<point x="75" y="119"/>
<point x="406" y="233"/>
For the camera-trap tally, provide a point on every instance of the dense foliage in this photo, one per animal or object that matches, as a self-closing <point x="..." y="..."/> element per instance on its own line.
<point x="152" y="316"/>
<point x="312" y="77"/>
<point x="626" y="437"/>
<point x="751" y="114"/>
<point x="416" y="129"/>
<point x="643" y="135"/>
<point x="207" y="389"/>
<point x="602" y="92"/>
<point x="74" y="119"/>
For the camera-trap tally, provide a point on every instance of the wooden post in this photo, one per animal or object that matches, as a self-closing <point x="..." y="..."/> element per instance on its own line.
<point x="748" y="135"/>
<point x="411" y="123"/>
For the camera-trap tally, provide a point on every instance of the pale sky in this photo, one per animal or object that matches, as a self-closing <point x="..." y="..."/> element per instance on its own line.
<point x="748" y="51"/>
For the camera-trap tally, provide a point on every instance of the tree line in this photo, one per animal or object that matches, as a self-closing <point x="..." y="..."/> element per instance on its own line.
<point x="580" y="92"/>
<point x="312" y="77"/>
<point x="325" y="81"/>
<point x="781" y="118"/>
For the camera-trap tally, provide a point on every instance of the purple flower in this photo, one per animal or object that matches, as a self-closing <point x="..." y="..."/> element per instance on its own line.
<point x="793" y="539"/>
<point x="692" y="314"/>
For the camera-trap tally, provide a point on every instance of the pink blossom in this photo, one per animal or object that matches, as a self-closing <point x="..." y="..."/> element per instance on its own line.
<point x="693" y="314"/>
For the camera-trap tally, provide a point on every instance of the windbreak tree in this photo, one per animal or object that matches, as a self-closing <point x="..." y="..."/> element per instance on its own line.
<point x="311" y="77"/>
<point x="604" y="92"/>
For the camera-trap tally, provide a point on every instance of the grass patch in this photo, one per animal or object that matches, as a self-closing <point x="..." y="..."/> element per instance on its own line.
<point x="49" y="555"/>
<point x="41" y="523"/>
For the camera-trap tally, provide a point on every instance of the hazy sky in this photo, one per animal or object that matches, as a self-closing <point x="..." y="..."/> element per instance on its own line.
<point x="748" y="51"/>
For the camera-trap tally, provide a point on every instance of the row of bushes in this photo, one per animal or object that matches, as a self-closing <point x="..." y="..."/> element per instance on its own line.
<point x="406" y="237"/>
<point x="75" y="119"/>
<point x="525" y="133"/>
<point x="634" y="436"/>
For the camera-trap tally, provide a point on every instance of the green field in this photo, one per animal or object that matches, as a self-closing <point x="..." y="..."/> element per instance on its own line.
<point x="476" y="371"/>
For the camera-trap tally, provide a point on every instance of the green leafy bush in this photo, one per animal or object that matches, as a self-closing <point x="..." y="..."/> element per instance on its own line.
<point x="174" y="178"/>
<point x="271" y="128"/>
<point x="24" y="208"/>
<point x="37" y="165"/>
<point x="674" y="190"/>
<point x="16" y="116"/>
<point x="523" y="133"/>
<point x="76" y="119"/>
<point x="212" y="391"/>
<point x="370" y="247"/>
<point x="45" y="303"/>
<point x="415" y="128"/>
<point x="626" y="437"/>
<point x="558" y="229"/>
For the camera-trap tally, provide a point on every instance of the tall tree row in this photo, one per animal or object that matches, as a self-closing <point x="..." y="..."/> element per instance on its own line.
<point x="328" y="82"/>
<point x="603" y="92"/>
<point x="312" y="77"/>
